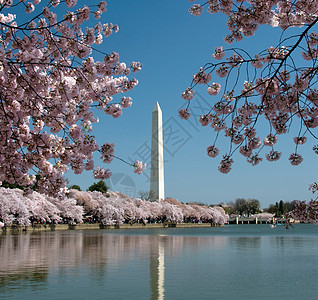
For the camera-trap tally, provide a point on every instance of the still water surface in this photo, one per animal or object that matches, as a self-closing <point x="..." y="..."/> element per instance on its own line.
<point x="230" y="262"/>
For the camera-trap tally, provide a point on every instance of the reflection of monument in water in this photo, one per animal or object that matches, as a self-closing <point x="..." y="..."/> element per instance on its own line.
<point x="108" y="262"/>
<point x="157" y="190"/>
<point x="157" y="271"/>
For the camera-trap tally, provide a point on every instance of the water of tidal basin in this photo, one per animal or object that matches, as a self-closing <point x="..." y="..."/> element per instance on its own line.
<point x="230" y="262"/>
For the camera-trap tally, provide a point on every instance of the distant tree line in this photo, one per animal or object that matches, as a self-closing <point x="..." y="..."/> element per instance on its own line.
<point x="248" y="207"/>
<point x="281" y="208"/>
<point x="243" y="207"/>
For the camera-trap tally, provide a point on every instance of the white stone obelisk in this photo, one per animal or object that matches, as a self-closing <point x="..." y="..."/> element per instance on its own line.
<point x="157" y="188"/>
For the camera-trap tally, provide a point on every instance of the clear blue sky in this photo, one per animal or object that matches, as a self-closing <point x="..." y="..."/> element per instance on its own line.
<point x="172" y="45"/>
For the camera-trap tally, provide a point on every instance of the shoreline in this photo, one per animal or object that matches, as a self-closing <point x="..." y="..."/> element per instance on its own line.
<point x="15" y="229"/>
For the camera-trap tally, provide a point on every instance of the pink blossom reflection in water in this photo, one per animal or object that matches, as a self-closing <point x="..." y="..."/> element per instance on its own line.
<point x="235" y="261"/>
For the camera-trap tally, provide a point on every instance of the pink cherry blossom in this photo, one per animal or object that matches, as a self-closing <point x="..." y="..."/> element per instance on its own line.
<point x="295" y="159"/>
<point x="212" y="151"/>
<point x="300" y="140"/>
<point x="29" y="7"/>
<point x="254" y="143"/>
<point x="188" y="94"/>
<point x="214" y="89"/>
<point x="70" y="3"/>
<point x="254" y="159"/>
<point x="184" y="114"/>
<point x="270" y="140"/>
<point x="102" y="6"/>
<point x="196" y="10"/>
<point x="225" y="165"/>
<point x="246" y="151"/>
<point x="139" y="167"/>
<point x="218" y="53"/>
<point x="126" y="102"/>
<point x="136" y="66"/>
<point x="114" y="110"/>
<point x="107" y="150"/>
<point x="257" y="62"/>
<point x="100" y="173"/>
<point x="205" y="119"/>
<point x="222" y="71"/>
<point x="273" y="155"/>
<point x="202" y="77"/>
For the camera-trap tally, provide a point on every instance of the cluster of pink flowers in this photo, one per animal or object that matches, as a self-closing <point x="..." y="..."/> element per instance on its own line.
<point x="306" y="212"/>
<point x="205" y="119"/>
<point x="188" y="94"/>
<point x="226" y="164"/>
<point x="202" y="77"/>
<point x="107" y="151"/>
<point x="273" y="155"/>
<point x="212" y="151"/>
<point x="254" y="159"/>
<point x="112" y="208"/>
<point x="214" y="89"/>
<point x="313" y="187"/>
<point x="218" y="53"/>
<point x="281" y="89"/>
<point x="50" y="86"/>
<point x="196" y="10"/>
<point x="270" y="140"/>
<point x="117" y="208"/>
<point x="295" y="159"/>
<point x="18" y="208"/>
<point x="184" y="114"/>
<point x="139" y="167"/>
<point x="101" y="173"/>
<point x="300" y="140"/>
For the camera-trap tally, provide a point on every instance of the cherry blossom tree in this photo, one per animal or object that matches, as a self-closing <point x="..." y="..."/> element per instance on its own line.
<point x="108" y="214"/>
<point x="119" y="207"/>
<point x="306" y="212"/>
<point x="86" y="200"/>
<point x="189" y="212"/>
<point x="172" y="212"/>
<point x="12" y="208"/>
<point x="144" y="210"/>
<point x="107" y="210"/>
<point x="156" y="209"/>
<point x="219" y="216"/>
<point x="277" y="85"/>
<point x="18" y="208"/>
<point x="68" y="209"/>
<point x="50" y="87"/>
<point x="42" y="210"/>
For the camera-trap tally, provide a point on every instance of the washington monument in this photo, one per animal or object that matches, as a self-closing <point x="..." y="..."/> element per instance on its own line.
<point x="157" y="189"/>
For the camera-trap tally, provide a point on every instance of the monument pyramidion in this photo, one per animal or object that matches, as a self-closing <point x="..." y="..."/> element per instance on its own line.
<point x="157" y="189"/>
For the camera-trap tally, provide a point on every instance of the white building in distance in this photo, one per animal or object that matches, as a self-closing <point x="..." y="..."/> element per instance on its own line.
<point x="157" y="186"/>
